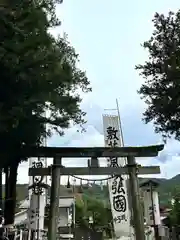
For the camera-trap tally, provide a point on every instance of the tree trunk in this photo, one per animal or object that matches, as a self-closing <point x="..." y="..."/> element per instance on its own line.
<point x="6" y="170"/>
<point x="10" y="198"/>
<point x="1" y="200"/>
<point x="1" y="205"/>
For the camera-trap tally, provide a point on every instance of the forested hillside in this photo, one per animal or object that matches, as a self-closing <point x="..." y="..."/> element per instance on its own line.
<point x="166" y="189"/>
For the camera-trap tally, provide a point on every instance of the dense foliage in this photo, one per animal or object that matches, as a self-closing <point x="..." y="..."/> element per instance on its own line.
<point x="174" y="218"/>
<point x="166" y="191"/>
<point x="38" y="76"/>
<point x="175" y="214"/>
<point x="100" y="213"/>
<point x="162" y="75"/>
<point x="40" y="84"/>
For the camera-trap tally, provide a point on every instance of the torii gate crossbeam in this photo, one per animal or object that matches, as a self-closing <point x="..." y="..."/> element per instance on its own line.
<point x="131" y="168"/>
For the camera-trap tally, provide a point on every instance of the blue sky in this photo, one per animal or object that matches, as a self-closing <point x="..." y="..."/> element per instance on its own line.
<point x="107" y="36"/>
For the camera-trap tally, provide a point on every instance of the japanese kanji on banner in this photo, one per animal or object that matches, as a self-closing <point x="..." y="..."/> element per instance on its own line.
<point x="118" y="185"/>
<point x="36" y="212"/>
<point x="151" y="203"/>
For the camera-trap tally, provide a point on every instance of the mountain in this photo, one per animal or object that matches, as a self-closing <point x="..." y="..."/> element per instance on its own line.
<point x="166" y="189"/>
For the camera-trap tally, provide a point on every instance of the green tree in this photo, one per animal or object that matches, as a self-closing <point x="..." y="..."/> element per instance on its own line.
<point x="162" y="74"/>
<point x="101" y="214"/>
<point x="39" y="74"/>
<point x="81" y="218"/>
<point x="175" y="212"/>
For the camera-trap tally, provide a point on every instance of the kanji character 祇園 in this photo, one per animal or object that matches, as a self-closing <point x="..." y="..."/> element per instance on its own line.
<point x="119" y="203"/>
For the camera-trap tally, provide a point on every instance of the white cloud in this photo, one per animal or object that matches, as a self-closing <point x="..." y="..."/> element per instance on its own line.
<point x="111" y="72"/>
<point x="73" y="138"/>
<point x="170" y="168"/>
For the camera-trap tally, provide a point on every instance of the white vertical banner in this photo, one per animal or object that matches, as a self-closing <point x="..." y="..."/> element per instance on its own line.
<point x="37" y="196"/>
<point x="36" y="213"/>
<point x="151" y="203"/>
<point x="118" y="185"/>
<point x="33" y="212"/>
<point x="35" y="163"/>
<point x="33" y="192"/>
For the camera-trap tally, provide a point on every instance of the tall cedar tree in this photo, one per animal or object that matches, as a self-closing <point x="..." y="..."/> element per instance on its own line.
<point x="161" y="72"/>
<point x="39" y="74"/>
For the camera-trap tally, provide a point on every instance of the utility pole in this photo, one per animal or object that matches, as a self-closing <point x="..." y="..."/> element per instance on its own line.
<point x="137" y="215"/>
<point x="54" y="202"/>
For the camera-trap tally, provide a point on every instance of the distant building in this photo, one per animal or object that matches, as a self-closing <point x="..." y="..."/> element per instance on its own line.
<point x="66" y="217"/>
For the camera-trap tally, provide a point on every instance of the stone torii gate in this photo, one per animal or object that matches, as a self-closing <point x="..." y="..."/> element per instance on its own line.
<point x="132" y="169"/>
